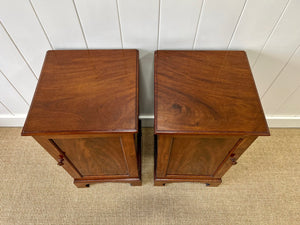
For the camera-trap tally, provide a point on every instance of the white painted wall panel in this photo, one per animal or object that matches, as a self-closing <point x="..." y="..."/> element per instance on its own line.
<point x="281" y="45"/>
<point x="60" y="21"/>
<point x="269" y="30"/>
<point x="14" y="67"/>
<point x="100" y="23"/>
<point x="178" y="23"/>
<point x="284" y="86"/>
<point x="139" y="23"/>
<point x="217" y="23"/>
<point x="255" y="26"/>
<point x="291" y="107"/>
<point x="21" y="23"/>
<point x="139" y="26"/>
<point x="3" y="110"/>
<point x="10" y="98"/>
<point x="146" y="83"/>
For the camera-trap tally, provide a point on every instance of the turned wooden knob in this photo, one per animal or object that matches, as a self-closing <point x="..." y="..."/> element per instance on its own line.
<point x="61" y="160"/>
<point x="233" y="161"/>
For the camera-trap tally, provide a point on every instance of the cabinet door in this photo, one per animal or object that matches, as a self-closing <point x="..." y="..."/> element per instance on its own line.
<point x="198" y="156"/>
<point x="95" y="156"/>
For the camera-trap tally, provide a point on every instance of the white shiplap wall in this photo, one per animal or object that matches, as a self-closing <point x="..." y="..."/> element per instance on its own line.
<point x="269" y="30"/>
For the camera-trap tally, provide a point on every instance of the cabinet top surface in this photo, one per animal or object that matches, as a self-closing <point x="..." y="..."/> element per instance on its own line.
<point x="85" y="91"/>
<point x="206" y="92"/>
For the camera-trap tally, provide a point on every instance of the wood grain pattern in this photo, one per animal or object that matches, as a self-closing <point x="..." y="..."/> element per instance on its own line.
<point x="95" y="156"/>
<point x="97" y="160"/>
<point x="79" y="92"/>
<point x="85" y="114"/>
<point x="55" y="152"/>
<point x="241" y="148"/>
<point x="207" y="113"/>
<point x="198" y="156"/>
<point x="206" y="92"/>
<point x="164" y="144"/>
<point x="210" y="182"/>
<point x="83" y="183"/>
<point x="131" y="156"/>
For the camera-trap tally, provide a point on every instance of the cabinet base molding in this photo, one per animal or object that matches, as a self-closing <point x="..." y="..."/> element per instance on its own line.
<point x="214" y="182"/>
<point x="83" y="183"/>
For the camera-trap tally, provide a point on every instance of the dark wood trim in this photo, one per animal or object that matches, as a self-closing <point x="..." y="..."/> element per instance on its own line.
<point x="164" y="145"/>
<point x="54" y="152"/>
<point x="74" y="132"/>
<point x="72" y="136"/>
<point x="81" y="183"/>
<point x="127" y="143"/>
<point x="212" y="182"/>
<point x="132" y="158"/>
<point x="247" y="141"/>
<point x="64" y="155"/>
<point x="227" y="133"/>
<point x="187" y="176"/>
<point x="155" y="90"/>
<point x="137" y="92"/>
<point x="228" y="155"/>
<point x="139" y="149"/>
<point x="187" y="50"/>
<point x="168" y="63"/>
<point x="105" y="177"/>
<point x="85" y="66"/>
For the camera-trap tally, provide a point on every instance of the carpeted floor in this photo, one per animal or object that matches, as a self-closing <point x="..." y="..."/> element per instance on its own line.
<point x="262" y="189"/>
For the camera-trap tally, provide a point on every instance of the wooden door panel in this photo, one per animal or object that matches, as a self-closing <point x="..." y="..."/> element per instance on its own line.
<point x="95" y="156"/>
<point x="198" y="156"/>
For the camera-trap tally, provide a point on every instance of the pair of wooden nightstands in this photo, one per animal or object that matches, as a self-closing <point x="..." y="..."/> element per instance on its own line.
<point x="85" y="114"/>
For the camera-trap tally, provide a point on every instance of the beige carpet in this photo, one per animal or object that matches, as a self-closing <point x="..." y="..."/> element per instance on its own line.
<point x="262" y="189"/>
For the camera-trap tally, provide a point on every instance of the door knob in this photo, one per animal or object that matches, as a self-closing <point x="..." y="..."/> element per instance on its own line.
<point x="61" y="160"/>
<point x="233" y="161"/>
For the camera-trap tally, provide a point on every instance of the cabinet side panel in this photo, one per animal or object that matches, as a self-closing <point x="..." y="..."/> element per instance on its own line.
<point x="50" y="148"/>
<point x="198" y="156"/>
<point x="130" y="153"/>
<point x="164" y="145"/>
<point x="95" y="156"/>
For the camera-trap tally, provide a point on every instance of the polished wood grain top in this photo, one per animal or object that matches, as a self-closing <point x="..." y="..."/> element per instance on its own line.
<point x="206" y="92"/>
<point x="85" y="91"/>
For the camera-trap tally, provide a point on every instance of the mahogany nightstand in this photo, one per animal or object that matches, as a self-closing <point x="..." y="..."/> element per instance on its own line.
<point x="85" y="114"/>
<point x="207" y="113"/>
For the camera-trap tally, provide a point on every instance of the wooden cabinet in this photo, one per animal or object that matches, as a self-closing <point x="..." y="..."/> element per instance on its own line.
<point x="85" y="114"/>
<point x="207" y="113"/>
